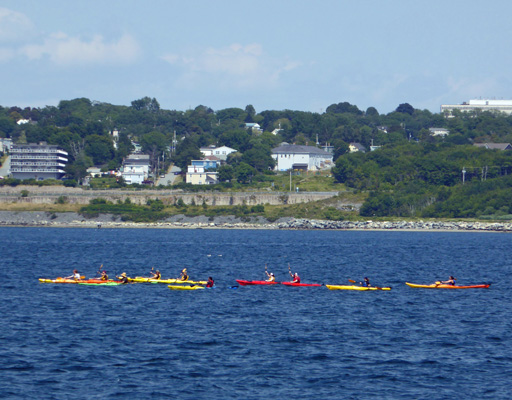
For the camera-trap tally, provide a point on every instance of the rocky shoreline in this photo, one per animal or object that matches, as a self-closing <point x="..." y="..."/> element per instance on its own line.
<point x="69" y="219"/>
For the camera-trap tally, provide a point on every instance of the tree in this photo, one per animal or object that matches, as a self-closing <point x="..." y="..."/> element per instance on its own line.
<point x="146" y="104"/>
<point x="186" y="151"/>
<point x="99" y="148"/>
<point x="225" y="173"/>
<point x="244" y="173"/>
<point x="405" y="108"/>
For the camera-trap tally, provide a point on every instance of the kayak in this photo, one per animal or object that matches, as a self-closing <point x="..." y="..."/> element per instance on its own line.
<point x="140" y="279"/>
<point x="185" y="287"/>
<point x="444" y="286"/>
<point x="100" y="283"/>
<point x="249" y="283"/>
<point x="300" y="284"/>
<point x="354" y="287"/>
<point x="67" y="280"/>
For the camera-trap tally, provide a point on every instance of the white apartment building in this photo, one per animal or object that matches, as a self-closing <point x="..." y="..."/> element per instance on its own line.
<point x="37" y="161"/>
<point x="504" y="106"/>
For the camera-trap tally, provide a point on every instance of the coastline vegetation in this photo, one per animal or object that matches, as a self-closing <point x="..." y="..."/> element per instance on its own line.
<point x="411" y="173"/>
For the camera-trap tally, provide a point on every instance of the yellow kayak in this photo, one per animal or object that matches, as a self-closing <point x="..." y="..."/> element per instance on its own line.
<point x="354" y="287"/>
<point x="140" y="279"/>
<point x="185" y="287"/>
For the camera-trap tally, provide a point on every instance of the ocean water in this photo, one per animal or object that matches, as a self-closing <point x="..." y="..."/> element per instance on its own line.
<point x="144" y="341"/>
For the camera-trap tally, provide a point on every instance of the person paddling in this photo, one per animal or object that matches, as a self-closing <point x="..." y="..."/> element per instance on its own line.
<point x="156" y="275"/>
<point x="104" y="276"/>
<point x="184" y="275"/>
<point x="295" y="277"/>
<point x="450" y="281"/>
<point x="76" y="275"/>
<point x="123" y="278"/>
<point x="271" y="276"/>
<point x="365" y="282"/>
<point x="210" y="282"/>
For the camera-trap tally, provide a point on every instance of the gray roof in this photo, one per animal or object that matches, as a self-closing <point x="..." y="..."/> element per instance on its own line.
<point x="492" y="146"/>
<point x="298" y="149"/>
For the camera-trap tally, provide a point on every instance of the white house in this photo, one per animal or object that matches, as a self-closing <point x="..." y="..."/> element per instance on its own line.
<point x="291" y="156"/>
<point x="220" y="152"/>
<point x="135" y="168"/>
<point x="439" y="132"/>
<point x="196" y="175"/>
<point x="355" y="147"/>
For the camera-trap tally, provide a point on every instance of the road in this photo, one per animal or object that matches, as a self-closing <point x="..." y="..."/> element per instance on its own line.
<point x="169" y="177"/>
<point x="4" y="169"/>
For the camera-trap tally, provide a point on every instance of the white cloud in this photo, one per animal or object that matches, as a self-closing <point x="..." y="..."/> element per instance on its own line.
<point x="14" y="26"/>
<point x="64" y="50"/>
<point x="235" y="66"/>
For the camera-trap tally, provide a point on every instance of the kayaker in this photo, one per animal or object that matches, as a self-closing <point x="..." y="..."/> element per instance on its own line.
<point x="365" y="282"/>
<point x="104" y="276"/>
<point x="271" y="277"/>
<point x="450" y="281"/>
<point x="156" y="275"/>
<point x="123" y="278"/>
<point x="76" y="275"/>
<point x="184" y="275"/>
<point x="210" y="282"/>
<point x="295" y="277"/>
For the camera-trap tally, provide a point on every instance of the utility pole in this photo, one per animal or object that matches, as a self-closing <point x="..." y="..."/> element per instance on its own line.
<point x="463" y="175"/>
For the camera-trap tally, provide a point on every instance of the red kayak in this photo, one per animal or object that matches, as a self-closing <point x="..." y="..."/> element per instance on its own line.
<point x="248" y="283"/>
<point x="300" y="284"/>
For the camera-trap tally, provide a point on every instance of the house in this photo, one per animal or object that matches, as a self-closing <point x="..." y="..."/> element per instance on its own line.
<point x="94" y="171"/>
<point x="494" y="146"/>
<point x="220" y="152"/>
<point x="208" y="163"/>
<point x="37" y="161"/>
<point x="355" y="147"/>
<point x="291" y="156"/>
<point x="439" y="132"/>
<point x="254" y="127"/>
<point x="196" y="175"/>
<point x="135" y="168"/>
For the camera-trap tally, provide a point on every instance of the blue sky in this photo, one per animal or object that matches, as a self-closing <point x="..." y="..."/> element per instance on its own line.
<point x="275" y="55"/>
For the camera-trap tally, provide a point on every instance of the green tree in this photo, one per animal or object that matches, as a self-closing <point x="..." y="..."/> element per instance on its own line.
<point x="225" y="173"/>
<point x="244" y="173"/>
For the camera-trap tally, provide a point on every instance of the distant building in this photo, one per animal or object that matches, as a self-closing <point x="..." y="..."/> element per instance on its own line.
<point x="494" y="146"/>
<point x="439" y="132"/>
<point x="135" y="168"/>
<point x="208" y="163"/>
<point x="291" y="156"/>
<point x="196" y="175"/>
<point x="504" y="106"/>
<point x="355" y="147"/>
<point x="220" y="152"/>
<point x="5" y="144"/>
<point x="254" y="127"/>
<point x="37" y="161"/>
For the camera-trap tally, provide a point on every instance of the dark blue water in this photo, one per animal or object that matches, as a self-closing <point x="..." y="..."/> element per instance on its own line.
<point x="145" y="341"/>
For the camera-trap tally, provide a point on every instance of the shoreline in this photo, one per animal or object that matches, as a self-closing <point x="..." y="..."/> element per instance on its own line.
<point x="73" y="220"/>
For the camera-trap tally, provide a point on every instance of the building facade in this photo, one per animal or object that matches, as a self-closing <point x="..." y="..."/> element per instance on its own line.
<point x="504" y="106"/>
<point x="220" y="152"/>
<point x="135" y="168"/>
<point x="37" y="161"/>
<point x="196" y="175"/>
<point x="308" y="158"/>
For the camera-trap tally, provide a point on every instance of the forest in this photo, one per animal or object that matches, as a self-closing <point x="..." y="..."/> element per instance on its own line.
<point x="410" y="174"/>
